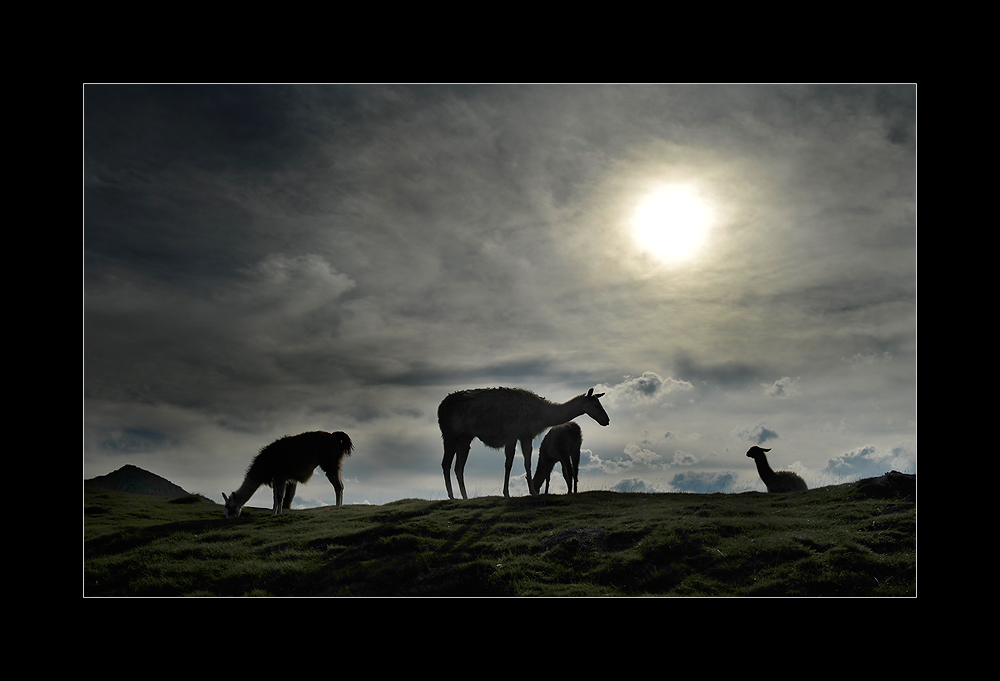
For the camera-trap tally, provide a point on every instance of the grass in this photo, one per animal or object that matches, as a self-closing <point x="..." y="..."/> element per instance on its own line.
<point x="832" y="541"/>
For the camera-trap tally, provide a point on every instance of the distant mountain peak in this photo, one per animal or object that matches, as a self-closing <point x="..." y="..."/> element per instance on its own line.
<point x="134" y="480"/>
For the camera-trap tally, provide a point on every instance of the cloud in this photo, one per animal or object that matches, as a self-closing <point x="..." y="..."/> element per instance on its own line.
<point x="288" y="300"/>
<point x="684" y="459"/>
<point x="633" y="485"/>
<point x="636" y="394"/>
<point x="733" y="374"/>
<point x="307" y="280"/>
<point x="631" y="456"/>
<point x="634" y="455"/>
<point x="757" y="433"/>
<point x="872" y="461"/>
<point x="130" y="441"/>
<point x="296" y="290"/>
<point x="867" y="358"/>
<point x="856" y="462"/>
<point x="783" y="388"/>
<point x="646" y="387"/>
<point x="703" y="482"/>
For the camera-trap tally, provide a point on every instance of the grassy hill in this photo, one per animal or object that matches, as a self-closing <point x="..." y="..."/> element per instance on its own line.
<point x="856" y="539"/>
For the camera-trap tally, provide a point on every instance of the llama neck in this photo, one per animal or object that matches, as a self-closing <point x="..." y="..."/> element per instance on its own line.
<point x="764" y="469"/>
<point x="246" y="490"/>
<point x="557" y="414"/>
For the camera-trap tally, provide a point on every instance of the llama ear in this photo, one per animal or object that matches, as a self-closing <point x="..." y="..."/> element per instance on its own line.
<point x="590" y="392"/>
<point x="764" y="450"/>
<point x="225" y="498"/>
<point x="599" y="395"/>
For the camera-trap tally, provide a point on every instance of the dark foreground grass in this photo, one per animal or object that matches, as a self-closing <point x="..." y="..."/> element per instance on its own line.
<point x="842" y="540"/>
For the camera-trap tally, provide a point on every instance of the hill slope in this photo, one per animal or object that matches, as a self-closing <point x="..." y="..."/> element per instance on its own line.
<point x="857" y="539"/>
<point x="134" y="480"/>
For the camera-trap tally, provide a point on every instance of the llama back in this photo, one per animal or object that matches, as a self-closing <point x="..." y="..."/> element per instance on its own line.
<point x="295" y="457"/>
<point x="787" y="481"/>
<point x="566" y="436"/>
<point x="483" y="412"/>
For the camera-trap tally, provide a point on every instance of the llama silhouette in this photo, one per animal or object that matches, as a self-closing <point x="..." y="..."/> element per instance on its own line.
<point x="782" y="481"/>
<point x="561" y="444"/>
<point x="290" y="460"/>
<point x="500" y="418"/>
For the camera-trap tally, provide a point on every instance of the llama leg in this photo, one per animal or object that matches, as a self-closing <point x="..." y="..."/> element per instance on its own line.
<point x="567" y="471"/>
<point x="337" y="480"/>
<point x="449" y="455"/>
<point x="462" y="455"/>
<point x="289" y="494"/>
<point x="526" y="451"/>
<point x="279" y="493"/>
<point x="339" y="489"/>
<point x="451" y="446"/>
<point x="509" y="452"/>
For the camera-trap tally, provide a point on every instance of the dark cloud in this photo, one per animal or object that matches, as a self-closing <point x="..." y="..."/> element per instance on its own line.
<point x="134" y="440"/>
<point x="703" y="483"/>
<point x="757" y="433"/>
<point x="871" y="461"/>
<point x="649" y="385"/>
<point x="728" y="374"/>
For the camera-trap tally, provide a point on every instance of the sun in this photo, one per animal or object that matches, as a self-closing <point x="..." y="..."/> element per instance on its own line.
<point x="672" y="223"/>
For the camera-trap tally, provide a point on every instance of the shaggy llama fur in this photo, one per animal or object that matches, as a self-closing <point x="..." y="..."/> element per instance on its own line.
<point x="288" y="461"/>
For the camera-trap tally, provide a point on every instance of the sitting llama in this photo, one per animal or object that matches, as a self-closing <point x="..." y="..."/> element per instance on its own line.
<point x="782" y="481"/>
<point x="562" y="445"/>
<point x="500" y="418"/>
<point x="289" y="460"/>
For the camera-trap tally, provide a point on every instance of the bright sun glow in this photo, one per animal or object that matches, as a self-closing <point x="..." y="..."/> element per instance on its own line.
<point x="671" y="224"/>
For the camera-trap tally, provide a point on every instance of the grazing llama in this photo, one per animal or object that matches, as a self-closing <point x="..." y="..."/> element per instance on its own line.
<point x="562" y="445"/>
<point x="782" y="481"/>
<point x="290" y="460"/>
<point x="500" y="417"/>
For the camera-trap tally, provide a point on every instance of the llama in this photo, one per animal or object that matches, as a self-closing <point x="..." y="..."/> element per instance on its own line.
<point x="500" y="417"/>
<point x="782" y="481"/>
<point x="290" y="460"/>
<point x="561" y="444"/>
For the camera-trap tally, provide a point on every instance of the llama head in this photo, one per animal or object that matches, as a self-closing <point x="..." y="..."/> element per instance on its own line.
<point x="231" y="509"/>
<point x="756" y="451"/>
<point x="592" y="407"/>
<point x="343" y="442"/>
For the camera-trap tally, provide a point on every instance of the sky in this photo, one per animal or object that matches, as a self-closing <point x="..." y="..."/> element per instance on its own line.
<point x="262" y="261"/>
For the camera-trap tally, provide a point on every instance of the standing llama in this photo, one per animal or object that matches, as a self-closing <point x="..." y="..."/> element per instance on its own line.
<point x="562" y="445"/>
<point x="500" y="417"/>
<point x="289" y="460"/>
<point x="782" y="481"/>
